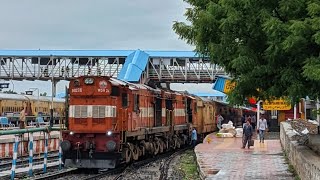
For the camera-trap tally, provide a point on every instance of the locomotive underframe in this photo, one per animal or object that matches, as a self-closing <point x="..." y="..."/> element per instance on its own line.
<point x="99" y="160"/>
<point x="148" y="141"/>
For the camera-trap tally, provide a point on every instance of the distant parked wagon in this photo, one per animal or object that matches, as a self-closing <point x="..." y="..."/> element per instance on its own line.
<point x="12" y="104"/>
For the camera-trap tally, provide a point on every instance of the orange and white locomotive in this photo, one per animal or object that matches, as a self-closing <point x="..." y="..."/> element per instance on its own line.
<point x="112" y="121"/>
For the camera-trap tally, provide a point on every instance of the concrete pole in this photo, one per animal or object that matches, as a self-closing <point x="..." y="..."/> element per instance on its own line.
<point x="38" y="102"/>
<point x="295" y="111"/>
<point x="258" y="112"/>
<point x="15" y="155"/>
<point x="318" y="115"/>
<point x="30" y="154"/>
<point x="53" y="94"/>
<point x="45" y="152"/>
<point x="60" y="153"/>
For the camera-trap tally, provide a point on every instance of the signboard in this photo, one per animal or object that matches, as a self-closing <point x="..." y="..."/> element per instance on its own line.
<point x="228" y="86"/>
<point x="278" y="104"/>
<point x="224" y="85"/>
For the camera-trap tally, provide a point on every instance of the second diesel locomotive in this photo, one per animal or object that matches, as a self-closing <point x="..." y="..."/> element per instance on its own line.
<point x="112" y="121"/>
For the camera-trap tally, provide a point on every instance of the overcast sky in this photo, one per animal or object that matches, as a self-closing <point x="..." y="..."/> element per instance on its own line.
<point x="90" y="24"/>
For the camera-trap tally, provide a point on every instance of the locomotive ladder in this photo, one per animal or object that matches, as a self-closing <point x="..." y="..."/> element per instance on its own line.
<point x="123" y="117"/>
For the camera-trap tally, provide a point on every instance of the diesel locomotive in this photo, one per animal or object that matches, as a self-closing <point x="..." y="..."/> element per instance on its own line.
<point x="112" y="121"/>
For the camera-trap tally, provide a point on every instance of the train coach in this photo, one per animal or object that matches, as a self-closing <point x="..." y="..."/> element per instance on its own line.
<point x="112" y="121"/>
<point x="12" y="104"/>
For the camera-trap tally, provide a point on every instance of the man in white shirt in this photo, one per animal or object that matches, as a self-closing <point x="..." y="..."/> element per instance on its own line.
<point x="262" y="126"/>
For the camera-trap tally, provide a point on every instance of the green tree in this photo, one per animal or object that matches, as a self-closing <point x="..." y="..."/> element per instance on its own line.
<point x="43" y="94"/>
<point x="270" y="48"/>
<point x="10" y="92"/>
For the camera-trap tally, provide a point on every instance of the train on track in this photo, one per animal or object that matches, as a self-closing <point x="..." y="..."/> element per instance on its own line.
<point x="12" y="104"/>
<point x="112" y="121"/>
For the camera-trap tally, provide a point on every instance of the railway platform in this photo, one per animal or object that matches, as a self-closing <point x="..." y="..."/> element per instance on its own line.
<point x="223" y="158"/>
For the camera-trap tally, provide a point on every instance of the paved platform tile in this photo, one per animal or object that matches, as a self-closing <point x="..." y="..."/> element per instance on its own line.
<point x="224" y="159"/>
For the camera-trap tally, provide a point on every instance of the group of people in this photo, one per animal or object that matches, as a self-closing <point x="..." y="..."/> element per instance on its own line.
<point x="249" y="127"/>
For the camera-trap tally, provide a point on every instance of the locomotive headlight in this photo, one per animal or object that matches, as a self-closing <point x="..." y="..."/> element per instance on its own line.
<point x="71" y="133"/>
<point x="88" y="81"/>
<point x="109" y="133"/>
<point x="111" y="145"/>
<point x="65" y="145"/>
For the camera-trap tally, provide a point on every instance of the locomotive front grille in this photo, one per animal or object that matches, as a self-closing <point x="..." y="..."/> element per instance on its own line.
<point x="82" y="121"/>
<point x="97" y="121"/>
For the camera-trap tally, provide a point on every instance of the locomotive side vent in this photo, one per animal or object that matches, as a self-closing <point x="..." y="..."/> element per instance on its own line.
<point x="80" y="114"/>
<point x="98" y="111"/>
<point x="98" y="114"/>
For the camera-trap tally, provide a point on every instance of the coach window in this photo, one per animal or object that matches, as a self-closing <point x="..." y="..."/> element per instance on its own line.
<point x="124" y="100"/>
<point x="136" y="103"/>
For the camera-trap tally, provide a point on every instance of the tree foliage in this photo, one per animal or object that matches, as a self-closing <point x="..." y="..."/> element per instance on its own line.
<point x="270" y="48"/>
<point x="43" y="94"/>
<point x="10" y="92"/>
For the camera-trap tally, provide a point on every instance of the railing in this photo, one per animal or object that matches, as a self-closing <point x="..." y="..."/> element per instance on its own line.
<point x="30" y="131"/>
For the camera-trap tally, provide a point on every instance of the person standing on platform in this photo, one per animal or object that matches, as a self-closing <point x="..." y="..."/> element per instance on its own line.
<point x="253" y="121"/>
<point x="22" y="118"/>
<point x="243" y="120"/>
<point x="262" y="127"/>
<point x="247" y="134"/>
<point x="220" y="119"/>
<point x="194" y="137"/>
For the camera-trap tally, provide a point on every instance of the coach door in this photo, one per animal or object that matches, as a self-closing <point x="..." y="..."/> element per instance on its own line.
<point x="169" y="112"/>
<point x="158" y="112"/>
<point x="189" y="110"/>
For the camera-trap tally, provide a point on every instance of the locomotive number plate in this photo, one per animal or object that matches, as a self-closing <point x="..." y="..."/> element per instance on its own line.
<point x="75" y="90"/>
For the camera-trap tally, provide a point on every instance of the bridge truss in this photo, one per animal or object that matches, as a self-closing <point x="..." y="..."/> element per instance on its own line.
<point x="169" y="67"/>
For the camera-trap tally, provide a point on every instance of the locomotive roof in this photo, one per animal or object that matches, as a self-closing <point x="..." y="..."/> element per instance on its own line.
<point x="132" y="86"/>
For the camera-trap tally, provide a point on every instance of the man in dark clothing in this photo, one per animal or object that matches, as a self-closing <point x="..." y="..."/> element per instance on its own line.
<point x="247" y="134"/>
<point x="243" y="120"/>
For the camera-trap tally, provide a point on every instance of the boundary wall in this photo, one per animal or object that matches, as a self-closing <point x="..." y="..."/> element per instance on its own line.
<point x="6" y="145"/>
<point x="305" y="161"/>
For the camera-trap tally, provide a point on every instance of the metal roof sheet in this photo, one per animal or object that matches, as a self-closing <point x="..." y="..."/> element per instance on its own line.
<point x="133" y="67"/>
<point x="219" y="84"/>
<point x="212" y="94"/>
<point x="172" y="54"/>
<point x="95" y="53"/>
<point x="67" y="53"/>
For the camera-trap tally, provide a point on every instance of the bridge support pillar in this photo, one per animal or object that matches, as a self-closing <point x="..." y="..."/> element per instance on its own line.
<point x="54" y="92"/>
<point x="54" y="87"/>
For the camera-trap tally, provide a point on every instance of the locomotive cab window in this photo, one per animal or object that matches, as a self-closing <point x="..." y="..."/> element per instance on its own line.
<point x="124" y="100"/>
<point x="115" y="91"/>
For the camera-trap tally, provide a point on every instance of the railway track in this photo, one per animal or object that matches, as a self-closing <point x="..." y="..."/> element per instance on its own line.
<point x="55" y="174"/>
<point x="118" y="173"/>
<point x="165" y="166"/>
<point x="164" y="169"/>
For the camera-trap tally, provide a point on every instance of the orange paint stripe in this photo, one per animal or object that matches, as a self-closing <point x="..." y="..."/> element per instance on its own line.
<point x="3" y="146"/>
<point x="11" y="149"/>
